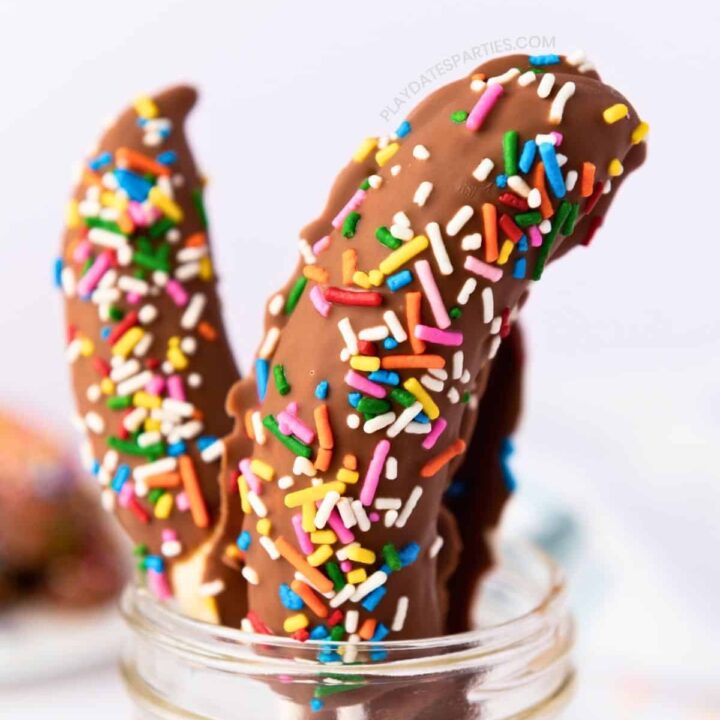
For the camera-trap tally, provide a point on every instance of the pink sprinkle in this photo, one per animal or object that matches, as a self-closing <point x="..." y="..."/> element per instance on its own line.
<point x="359" y="382"/>
<point x="427" y="280"/>
<point x="374" y="516"/>
<point x="558" y="137"/>
<point x="169" y="534"/>
<point x="303" y="538"/>
<point x="536" y="239"/>
<point x="346" y="566"/>
<point x="321" y="245"/>
<point x="177" y="292"/>
<point x="318" y="300"/>
<point x="82" y="252"/>
<point x="89" y="281"/>
<point x="250" y="477"/>
<point x="176" y="389"/>
<point x="438" y="337"/>
<point x="156" y="385"/>
<point x="292" y="425"/>
<point x="126" y="494"/>
<point x="158" y="584"/>
<point x="133" y="298"/>
<point x="437" y="430"/>
<point x="138" y="214"/>
<point x="375" y="468"/>
<point x="483" y="269"/>
<point x="292" y="407"/>
<point x="181" y="501"/>
<point x="352" y="204"/>
<point x="338" y="526"/>
<point x="483" y="106"/>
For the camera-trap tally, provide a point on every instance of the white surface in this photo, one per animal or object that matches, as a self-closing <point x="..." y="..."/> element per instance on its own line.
<point x="622" y="409"/>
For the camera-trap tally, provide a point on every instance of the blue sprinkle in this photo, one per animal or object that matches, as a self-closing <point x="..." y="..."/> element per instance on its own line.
<point x="100" y="161"/>
<point x="386" y="569"/>
<point x="120" y="478"/>
<point x="95" y="467"/>
<point x="178" y="448"/>
<point x="501" y="181"/>
<point x="522" y="245"/>
<point x="167" y="158"/>
<point x="390" y="343"/>
<point x="381" y="632"/>
<point x="329" y="657"/>
<point x="105" y="332"/>
<point x="142" y="122"/>
<point x="506" y="450"/>
<point x="372" y="600"/>
<point x="527" y="156"/>
<point x="316" y="704"/>
<point x="421" y="417"/>
<point x="378" y="655"/>
<point x="519" y="269"/>
<point x="205" y="441"/>
<point x="289" y="598"/>
<point x="354" y="398"/>
<point x="261" y="377"/>
<point x="154" y="562"/>
<point x="409" y="554"/>
<point x="455" y="490"/>
<point x="136" y="186"/>
<point x="57" y="272"/>
<point x="552" y="169"/>
<point x="244" y="540"/>
<point x="399" y="280"/>
<point x="319" y="632"/>
<point x="538" y="60"/>
<point x="403" y="129"/>
<point x="387" y="377"/>
<point x="321" y="391"/>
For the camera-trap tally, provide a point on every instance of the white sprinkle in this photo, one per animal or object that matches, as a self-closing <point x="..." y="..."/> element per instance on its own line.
<point x="363" y="520"/>
<point x="401" y="232"/>
<point x="576" y="58"/>
<point x="194" y="380"/>
<point x="383" y="503"/>
<point x="534" y="198"/>
<point x="306" y="252"/>
<point x="94" y="423"/>
<point x="285" y="482"/>
<point x="67" y="280"/>
<point x="488" y="305"/>
<point x="250" y="575"/>
<point x="436" y="547"/>
<point x="110" y="460"/>
<point x="558" y="104"/>
<point x="420" y="152"/>
<point x="376" y="580"/>
<point x="346" y="513"/>
<point x="303" y="466"/>
<point x="458" y="220"/>
<point x="136" y="417"/>
<point x="351" y="621"/>
<point x="405" y="417"/>
<point x="374" y="334"/>
<point x="258" y="506"/>
<point x="326" y="507"/>
<point x="526" y="78"/>
<point x="561" y="159"/>
<point x="466" y="291"/>
<point x="105" y="238"/>
<point x="342" y="596"/>
<point x="545" y="226"/>
<point x="164" y="465"/>
<point x="107" y="500"/>
<point x="422" y="193"/>
<point x="349" y="336"/>
<point x="432" y="383"/>
<point x="258" y="428"/>
<point x="395" y="170"/>
<point x="400" y="614"/>
<point x="213" y="452"/>
<point x="269" y="343"/>
<point x="494" y="347"/>
<point x="269" y="547"/>
<point x="147" y="439"/>
<point x="607" y="187"/>
<point x="103" y="296"/>
<point x="495" y="325"/>
<point x="172" y="548"/>
<point x="546" y="138"/>
<point x="504" y="78"/>
<point x="438" y="247"/>
<point x="453" y="395"/>
<point x="276" y="304"/>
<point x="143" y="345"/>
<point x="188" y="345"/>
<point x="135" y="383"/>
<point x="379" y="422"/>
<point x="246" y="626"/>
<point x="471" y="242"/>
<point x="465" y="377"/>
<point x="389" y="518"/>
<point x="439" y="373"/>
<point x="375" y="181"/>
<point x="187" y="271"/>
<point x="570" y="180"/>
<point x="518" y="185"/>
<point x="391" y="468"/>
<point x="133" y="285"/>
<point x="409" y="506"/>
<point x="546" y="85"/>
<point x="211" y="589"/>
<point x="457" y="364"/>
<point x="125" y="370"/>
<point x="178" y="407"/>
<point x="418" y="428"/>
<point x="586" y="67"/>
<point x="193" y="311"/>
<point x="483" y="170"/>
<point x="396" y="328"/>
<point x="353" y="421"/>
<point x="147" y="314"/>
<point x="190" y="254"/>
<point x="401" y="218"/>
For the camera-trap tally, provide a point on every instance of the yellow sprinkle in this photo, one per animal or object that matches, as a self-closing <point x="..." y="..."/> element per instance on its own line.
<point x="366" y="147"/>
<point x="347" y="476"/>
<point x="404" y="254"/>
<point x="244" y="502"/>
<point x="124" y="346"/>
<point x="114" y="200"/>
<point x="376" y="278"/>
<point x="233" y="552"/>
<point x="615" y="112"/>
<point x="382" y="156"/>
<point x="615" y="168"/>
<point x="361" y="555"/>
<point x="295" y="622"/>
<point x="312" y="494"/>
<point x="72" y="215"/>
<point x="308" y="517"/>
<point x="262" y="470"/>
<point x="162" y="202"/>
<point x="361" y="279"/>
<point x="152" y="425"/>
<point x="639" y="133"/>
<point x="355" y="577"/>
<point x="146" y="400"/>
<point x="107" y="386"/>
<point x="87" y="347"/>
<point x="365" y="363"/>
<point x="321" y="555"/>
<point x="164" y="506"/>
<point x="146" y="108"/>
<point x="429" y="406"/>
<point x="263" y="526"/>
<point x="176" y="357"/>
<point x="174" y="341"/>
<point x="206" y="269"/>
<point x="323" y="537"/>
<point x="507" y="248"/>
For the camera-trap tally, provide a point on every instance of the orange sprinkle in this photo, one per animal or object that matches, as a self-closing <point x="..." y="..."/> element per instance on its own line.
<point x="433" y="466"/>
<point x="412" y="313"/>
<point x="125" y="223"/>
<point x="163" y="480"/>
<point x="125" y="157"/>
<point x="350" y="461"/>
<point x="293" y="556"/>
<point x="489" y="216"/>
<point x="367" y="629"/>
<point x="324" y="430"/>
<point x="91" y="178"/>
<point x="398" y="362"/>
<point x="197" y="414"/>
<point x="190" y="481"/>
<point x="349" y="265"/>
<point x="315" y="273"/>
<point x="249" y="424"/>
<point x="323" y="459"/>
<point x="197" y="239"/>
<point x="546" y="208"/>
<point x="309" y="598"/>
<point x="207" y="331"/>
<point x="587" y="180"/>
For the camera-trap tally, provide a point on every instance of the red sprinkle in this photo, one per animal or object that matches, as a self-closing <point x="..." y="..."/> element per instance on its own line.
<point x="123" y="326"/>
<point x="367" y="348"/>
<point x="352" y="297"/>
<point x="335" y="618"/>
<point x="102" y="367"/>
<point x="592" y="201"/>
<point x="514" y="201"/>
<point x="505" y="323"/>
<point x="510" y="228"/>
<point x="593" y="227"/>
<point x="302" y="635"/>
<point x="257" y="624"/>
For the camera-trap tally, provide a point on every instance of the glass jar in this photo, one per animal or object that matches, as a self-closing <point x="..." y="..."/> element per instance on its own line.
<point x="516" y="664"/>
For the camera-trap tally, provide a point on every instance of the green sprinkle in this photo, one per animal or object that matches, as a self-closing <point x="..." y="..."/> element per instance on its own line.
<point x="402" y="397"/>
<point x="569" y="224"/>
<point x="387" y="238"/>
<point x="155" y="494"/>
<point x="336" y="575"/>
<point x="197" y="198"/>
<point x="281" y="383"/>
<point x="119" y="402"/>
<point x="159" y="228"/>
<point x="391" y="556"/>
<point x="116" y="314"/>
<point x="459" y="116"/>
<point x="151" y="262"/>
<point x="292" y="444"/>
<point x="526" y="219"/>
<point x="465" y="397"/>
<point x="322" y="691"/>
<point x="130" y="447"/>
<point x="558" y="221"/>
<point x="373" y="406"/>
<point x="455" y="312"/>
<point x="140" y="550"/>
<point x="144" y="245"/>
<point x="365" y="185"/>
<point x="293" y="297"/>
<point x="350" y="224"/>
<point x="510" y="152"/>
<point x="109" y="225"/>
<point x="86" y="266"/>
<point x="337" y="633"/>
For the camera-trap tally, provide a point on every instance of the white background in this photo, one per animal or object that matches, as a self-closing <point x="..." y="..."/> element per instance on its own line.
<point x="623" y="399"/>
